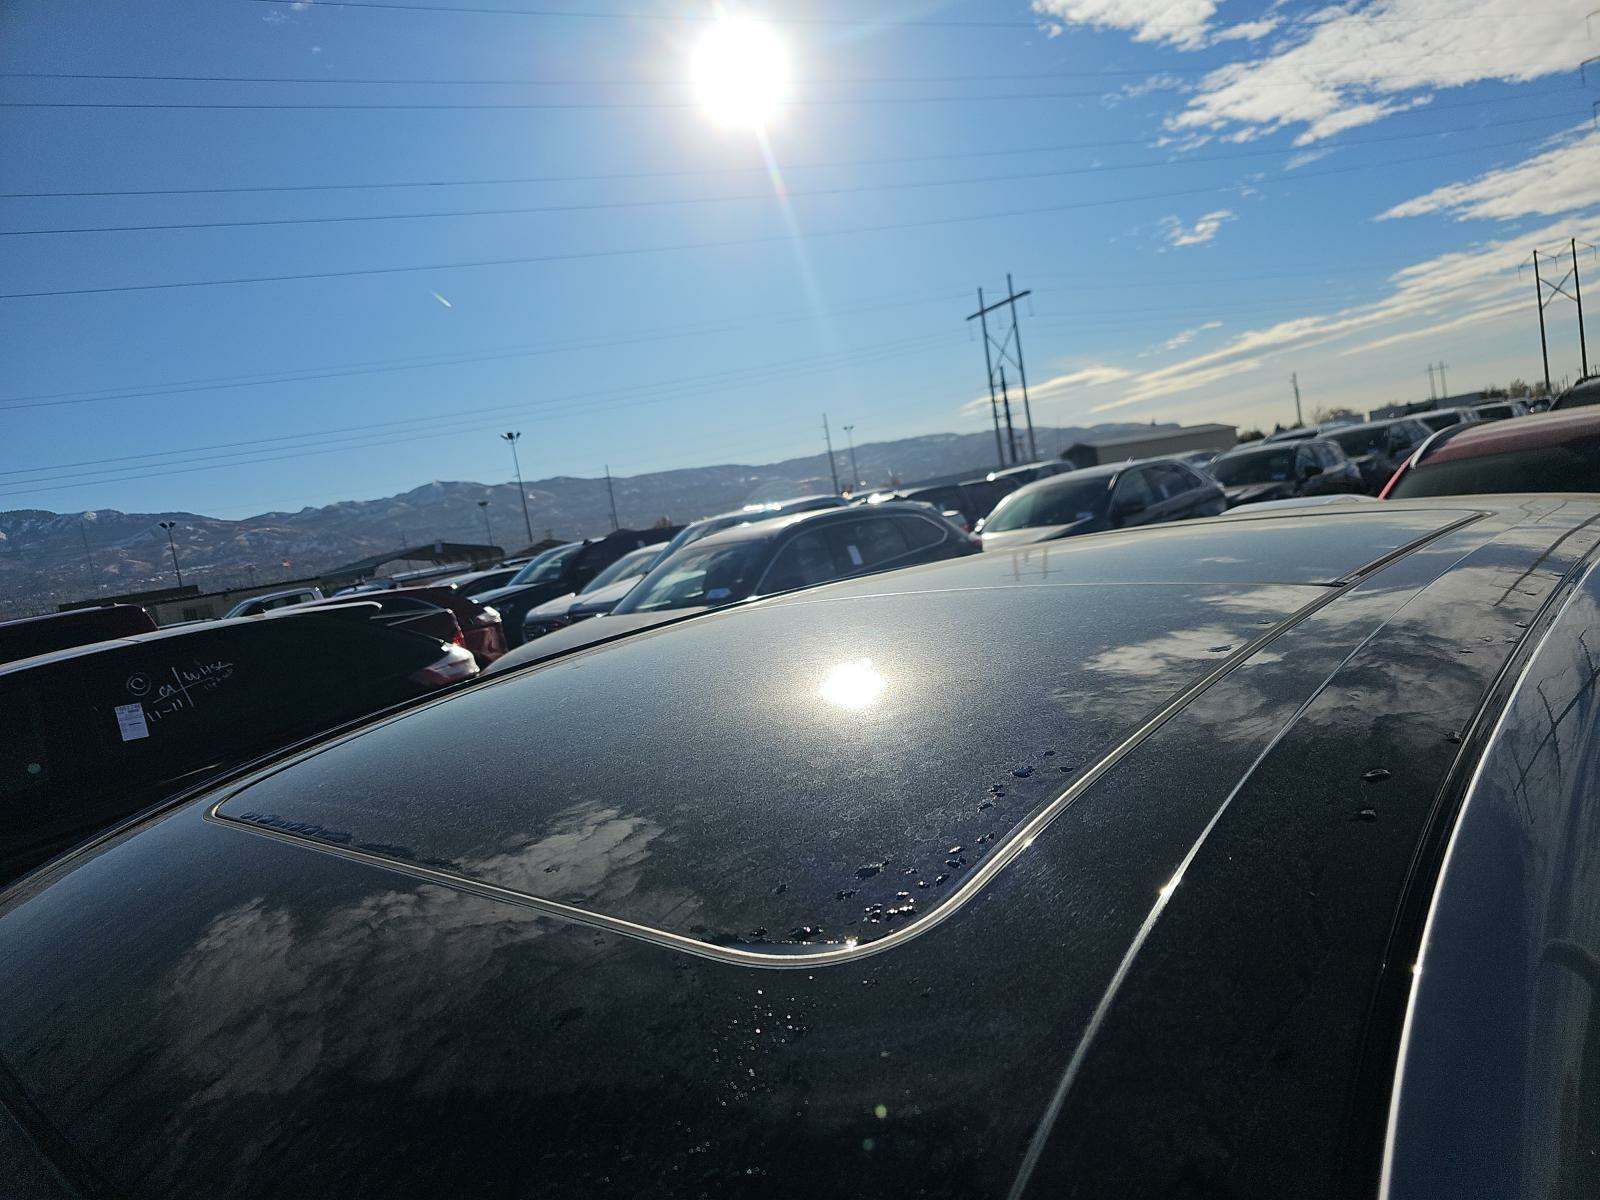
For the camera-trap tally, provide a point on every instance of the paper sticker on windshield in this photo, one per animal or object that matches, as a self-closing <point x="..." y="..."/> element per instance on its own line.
<point x="718" y="593"/>
<point x="855" y="555"/>
<point x="130" y="722"/>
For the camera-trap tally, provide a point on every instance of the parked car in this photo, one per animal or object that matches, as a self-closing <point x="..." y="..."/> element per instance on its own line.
<point x="1443" y="418"/>
<point x="781" y="554"/>
<point x="268" y="601"/>
<point x="91" y="735"/>
<point x="393" y="609"/>
<point x="599" y="596"/>
<point x="1310" y="467"/>
<point x="1580" y="395"/>
<point x="24" y="637"/>
<point x="1028" y="472"/>
<point x="1378" y="447"/>
<point x="1100" y="498"/>
<point x="482" y="629"/>
<point x="475" y="583"/>
<point x="1500" y="410"/>
<point x="1549" y="452"/>
<point x="562" y="570"/>
<point x="1223" y="870"/>
<point x="747" y="515"/>
<point x="965" y="504"/>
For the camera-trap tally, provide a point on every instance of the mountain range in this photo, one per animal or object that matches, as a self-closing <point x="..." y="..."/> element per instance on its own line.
<point x="48" y="557"/>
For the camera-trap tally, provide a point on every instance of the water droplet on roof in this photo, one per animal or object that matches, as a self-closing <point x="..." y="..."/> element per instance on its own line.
<point x="868" y="870"/>
<point x="1367" y="814"/>
<point x="1376" y="775"/>
<point x="1023" y="772"/>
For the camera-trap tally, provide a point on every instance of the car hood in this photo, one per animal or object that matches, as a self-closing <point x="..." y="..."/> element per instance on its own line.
<point x="554" y="608"/>
<point x="1249" y="493"/>
<point x="819" y="895"/>
<point x="606" y="598"/>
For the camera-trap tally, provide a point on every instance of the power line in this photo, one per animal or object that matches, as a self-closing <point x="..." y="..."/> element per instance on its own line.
<point x="608" y="105"/>
<point x="765" y="195"/>
<point x="758" y="169"/>
<point x="652" y="393"/>
<point x="1035" y="24"/>
<point x="625" y="252"/>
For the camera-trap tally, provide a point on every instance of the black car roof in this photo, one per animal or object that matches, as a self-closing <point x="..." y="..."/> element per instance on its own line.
<point x="1075" y="867"/>
<point x="764" y="528"/>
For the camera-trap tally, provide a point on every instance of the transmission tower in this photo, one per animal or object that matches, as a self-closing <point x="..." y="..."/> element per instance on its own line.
<point x="997" y="352"/>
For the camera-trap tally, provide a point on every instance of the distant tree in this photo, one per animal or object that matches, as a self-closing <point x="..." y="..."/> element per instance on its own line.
<point x="1517" y="389"/>
<point x="1493" y="391"/>
<point x="1251" y="435"/>
<point x="1320" y="416"/>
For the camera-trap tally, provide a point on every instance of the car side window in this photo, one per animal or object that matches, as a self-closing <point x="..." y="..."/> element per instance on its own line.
<point x="861" y="545"/>
<point x="1304" y="458"/>
<point x="1180" y="479"/>
<point x="1133" y="489"/>
<point x="919" y="532"/>
<point x="805" y="561"/>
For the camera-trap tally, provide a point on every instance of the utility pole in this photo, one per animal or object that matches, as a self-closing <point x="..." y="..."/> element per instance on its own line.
<point x="855" y="472"/>
<point x="1433" y="393"/>
<point x="250" y="569"/>
<point x="169" y="526"/>
<point x="1444" y="388"/>
<point x="832" y="468"/>
<point x="511" y="438"/>
<point x="488" y="533"/>
<point x="1577" y="294"/>
<point x="1005" y="400"/>
<point x="1016" y="337"/>
<point x="88" y="559"/>
<point x="995" y="356"/>
<point x="988" y="370"/>
<point x="612" y="493"/>
<point x="1294" y="379"/>
<point x="1544" y="344"/>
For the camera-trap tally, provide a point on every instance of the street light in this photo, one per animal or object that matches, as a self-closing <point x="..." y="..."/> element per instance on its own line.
<point x="169" y="526"/>
<point x="521" y="491"/>
<point x="488" y="534"/>
<point x="855" y="474"/>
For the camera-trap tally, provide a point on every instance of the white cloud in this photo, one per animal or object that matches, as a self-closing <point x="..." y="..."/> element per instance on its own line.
<point x="1201" y="232"/>
<point x="1179" y="23"/>
<point x="1561" y="179"/>
<point x="1342" y="68"/>
<point x="1429" y="298"/>
<point x="1184" y="337"/>
<point x="1094" y="375"/>
<point x="1245" y="31"/>
<point x="1305" y="158"/>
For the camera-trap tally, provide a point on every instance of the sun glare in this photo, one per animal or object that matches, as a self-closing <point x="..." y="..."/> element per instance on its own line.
<point x="740" y="73"/>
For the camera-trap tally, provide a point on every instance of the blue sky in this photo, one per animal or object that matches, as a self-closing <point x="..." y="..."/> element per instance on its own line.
<point x="1204" y="198"/>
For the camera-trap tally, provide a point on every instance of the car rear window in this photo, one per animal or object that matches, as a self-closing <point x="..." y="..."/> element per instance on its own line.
<point x="1054" y="503"/>
<point x="1569" y="467"/>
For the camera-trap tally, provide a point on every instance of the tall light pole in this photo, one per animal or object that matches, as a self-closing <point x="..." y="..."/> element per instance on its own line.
<point x="527" y="521"/>
<point x="488" y="534"/>
<point x="169" y="526"/>
<point x="855" y="471"/>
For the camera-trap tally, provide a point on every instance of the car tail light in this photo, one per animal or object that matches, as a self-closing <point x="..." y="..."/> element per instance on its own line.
<point x="456" y="665"/>
<point x="458" y="638"/>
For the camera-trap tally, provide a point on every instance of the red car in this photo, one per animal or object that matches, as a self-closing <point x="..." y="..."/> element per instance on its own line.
<point x="1548" y="452"/>
<point x="482" y="630"/>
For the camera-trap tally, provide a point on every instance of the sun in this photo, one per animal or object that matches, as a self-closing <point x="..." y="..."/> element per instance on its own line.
<point x="741" y="72"/>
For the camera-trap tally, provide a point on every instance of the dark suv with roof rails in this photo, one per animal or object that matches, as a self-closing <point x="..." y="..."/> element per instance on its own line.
<point x="1250" y="857"/>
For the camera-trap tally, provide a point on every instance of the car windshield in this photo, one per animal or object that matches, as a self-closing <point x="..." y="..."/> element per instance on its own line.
<point x="1571" y="467"/>
<point x="1258" y="466"/>
<point x="547" y="566"/>
<point x="704" y="575"/>
<point x="1363" y="439"/>
<point x="630" y="566"/>
<point x="1439" y="420"/>
<point x="1056" y="504"/>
